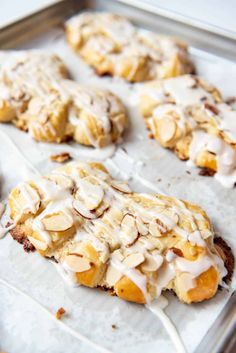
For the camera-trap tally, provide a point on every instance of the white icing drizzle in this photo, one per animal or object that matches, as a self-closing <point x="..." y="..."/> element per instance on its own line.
<point x="169" y="326"/>
<point x="178" y="99"/>
<point x="52" y="316"/>
<point x="181" y="89"/>
<point x="225" y="156"/>
<point x="5" y="230"/>
<point x="136" y="276"/>
<point x="227" y="123"/>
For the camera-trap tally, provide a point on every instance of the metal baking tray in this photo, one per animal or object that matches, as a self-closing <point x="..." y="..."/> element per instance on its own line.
<point x="221" y="337"/>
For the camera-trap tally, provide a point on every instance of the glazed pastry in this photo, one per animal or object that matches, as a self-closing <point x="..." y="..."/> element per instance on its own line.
<point x="189" y="116"/>
<point x="102" y="234"/>
<point x="113" y="46"/>
<point x="37" y="96"/>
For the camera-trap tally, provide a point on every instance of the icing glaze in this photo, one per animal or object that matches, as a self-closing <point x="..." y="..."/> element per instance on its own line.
<point x="225" y="156"/>
<point x="169" y="326"/>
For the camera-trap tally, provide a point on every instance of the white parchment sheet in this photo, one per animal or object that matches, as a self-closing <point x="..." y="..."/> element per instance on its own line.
<point x="24" y="325"/>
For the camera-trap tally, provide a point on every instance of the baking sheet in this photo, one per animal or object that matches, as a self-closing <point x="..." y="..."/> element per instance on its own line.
<point x="23" y="323"/>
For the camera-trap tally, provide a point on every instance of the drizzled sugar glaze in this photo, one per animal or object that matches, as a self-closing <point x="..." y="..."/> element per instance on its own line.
<point x="195" y="109"/>
<point x="132" y="233"/>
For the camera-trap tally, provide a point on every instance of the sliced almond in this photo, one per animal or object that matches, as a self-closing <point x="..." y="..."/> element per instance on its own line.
<point x="39" y="244"/>
<point x="82" y="210"/>
<point x="62" y="180"/>
<point x="91" y="194"/>
<point x="61" y="157"/>
<point x="133" y="260"/>
<point x="117" y="255"/>
<point x="103" y="207"/>
<point x="142" y="228"/>
<point x="162" y="227"/>
<point x="121" y="186"/>
<point x="167" y="129"/>
<point x="57" y="222"/>
<point x="77" y="263"/>
<point x="206" y="233"/>
<point x="112" y="276"/>
<point x="129" y="229"/>
<point x="154" y="229"/>
<point x="28" y="198"/>
<point x="173" y="216"/>
<point x="152" y="263"/>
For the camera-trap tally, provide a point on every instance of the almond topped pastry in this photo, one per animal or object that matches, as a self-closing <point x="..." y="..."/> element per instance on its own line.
<point x="189" y="116"/>
<point x="102" y="234"/>
<point x="113" y="46"/>
<point x="37" y="96"/>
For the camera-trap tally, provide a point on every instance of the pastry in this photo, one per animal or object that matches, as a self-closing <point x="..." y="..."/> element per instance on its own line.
<point x="101" y="234"/>
<point x="190" y="117"/>
<point x="113" y="46"/>
<point x="37" y="96"/>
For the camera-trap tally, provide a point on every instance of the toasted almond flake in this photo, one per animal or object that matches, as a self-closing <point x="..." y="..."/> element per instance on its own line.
<point x="142" y="228"/>
<point x="170" y="214"/>
<point x="62" y="180"/>
<point x="152" y="263"/>
<point x="39" y="244"/>
<point x="177" y="251"/>
<point x="28" y="198"/>
<point x="154" y="229"/>
<point x="57" y="222"/>
<point x="60" y="312"/>
<point x="121" y="186"/>
<point x="129" y="229"/>
<point x="117" y="255"/>
<point x="206" y="233"/>
<point x="77" y="263"/>
<point x="162" y="227"/>
<point x="112" y="276"/>
<point x="82" y="210"/>
<point x="91" y="194"/>
<point x="61" y="157"/>
<point x="167" y="129"/>
<point x="133" y="260"/>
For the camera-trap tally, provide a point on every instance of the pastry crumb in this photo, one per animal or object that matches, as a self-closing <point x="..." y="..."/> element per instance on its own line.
<point x="60" y="312"/>
<point x="61" y="157"/>
<point x="206" y="172"/>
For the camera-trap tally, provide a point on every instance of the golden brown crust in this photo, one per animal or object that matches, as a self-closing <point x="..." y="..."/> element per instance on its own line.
<point x="40" y="99"/>
<point x="113" y="46"/>
<point x="20" y="235"/>
<point x="127" y="290"/>
<point x="227" y="256"/>
<point x="103" y="235"/>
<point x="206" y="287"/>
